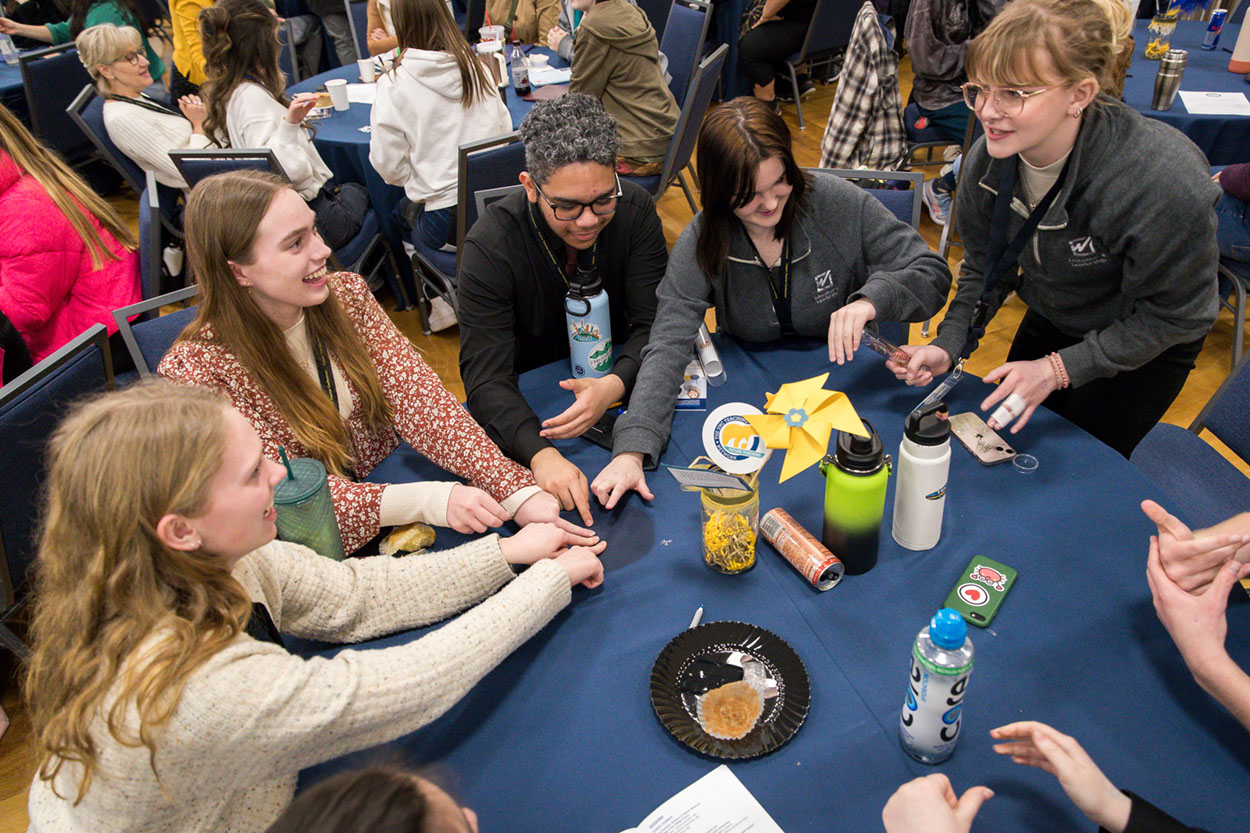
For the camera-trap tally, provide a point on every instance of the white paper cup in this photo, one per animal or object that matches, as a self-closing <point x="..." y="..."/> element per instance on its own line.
<point x="337" y="88"/>
<point x="367" y="72"/>
<point x="488" y="33"/>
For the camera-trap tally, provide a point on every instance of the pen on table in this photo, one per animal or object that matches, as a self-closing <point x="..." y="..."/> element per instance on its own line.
<point x="698" y="617"/>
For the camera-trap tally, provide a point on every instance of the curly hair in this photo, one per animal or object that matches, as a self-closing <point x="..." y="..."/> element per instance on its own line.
<point x="241" y="44"/>
<point x="574" y="128"/>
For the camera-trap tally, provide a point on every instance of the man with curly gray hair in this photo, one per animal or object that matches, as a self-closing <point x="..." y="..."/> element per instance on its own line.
<point x="514" y="275"/>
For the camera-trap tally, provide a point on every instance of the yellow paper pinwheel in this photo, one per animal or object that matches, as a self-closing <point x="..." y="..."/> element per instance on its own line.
<point x="800" y="418"/>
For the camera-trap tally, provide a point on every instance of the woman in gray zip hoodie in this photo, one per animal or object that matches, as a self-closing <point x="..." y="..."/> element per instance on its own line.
<point x="1119" y="270"/>
<point x="778" y="253"/>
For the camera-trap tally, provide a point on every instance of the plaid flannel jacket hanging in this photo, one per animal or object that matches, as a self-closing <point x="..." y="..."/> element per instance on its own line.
<point x="865" y="128"/>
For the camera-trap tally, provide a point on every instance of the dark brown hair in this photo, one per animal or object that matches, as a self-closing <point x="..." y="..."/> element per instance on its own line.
<point x="428" y="25"/>
<point x="380" y="799"/>
<point x="736" y="138"/>
<point x="240" y="42"/>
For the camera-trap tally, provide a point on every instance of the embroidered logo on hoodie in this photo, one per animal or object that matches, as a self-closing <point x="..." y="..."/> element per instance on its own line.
<point x="1085" y="253"/>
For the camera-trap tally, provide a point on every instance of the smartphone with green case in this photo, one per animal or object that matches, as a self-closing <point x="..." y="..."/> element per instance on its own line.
<point x="980" y="590"/>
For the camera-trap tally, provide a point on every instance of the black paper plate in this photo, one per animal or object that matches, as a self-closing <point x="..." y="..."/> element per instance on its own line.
<point x="702" y="658"/>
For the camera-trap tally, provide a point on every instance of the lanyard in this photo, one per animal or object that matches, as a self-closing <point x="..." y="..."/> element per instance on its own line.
<point x="780" y="299"/>
<point x="1001" y="256"/>
<point x="147" y="104"/>
<point x="551" y="256"/>
<point x="325" y="374"/>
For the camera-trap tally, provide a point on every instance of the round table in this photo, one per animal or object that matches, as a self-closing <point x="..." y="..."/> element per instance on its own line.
<point x="345" y="147"/>
<point x="1224" y="139"/>
<point x="561" y="736"/>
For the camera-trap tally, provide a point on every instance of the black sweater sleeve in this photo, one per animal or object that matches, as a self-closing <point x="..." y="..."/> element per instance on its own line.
<point x="488" y="353"/>
<point x="1147" y="818"/>
<point x="647" y="260"/>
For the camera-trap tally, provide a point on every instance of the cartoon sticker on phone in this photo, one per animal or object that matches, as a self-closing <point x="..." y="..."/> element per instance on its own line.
<point x="980" y="590"/>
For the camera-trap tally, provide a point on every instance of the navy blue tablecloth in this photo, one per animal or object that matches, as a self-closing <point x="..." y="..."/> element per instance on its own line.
<point x="561" y="737"/>
<point x="1224" y="139"/>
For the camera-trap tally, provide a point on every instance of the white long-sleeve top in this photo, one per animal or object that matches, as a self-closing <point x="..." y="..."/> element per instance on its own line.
<point x="252" y="716"/>
<point x="419" y="124"/>
<point x="147" y="137"/>
<point x="255" y="119"/>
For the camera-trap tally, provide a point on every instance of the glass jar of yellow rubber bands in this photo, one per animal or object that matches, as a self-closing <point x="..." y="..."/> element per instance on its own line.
<point x="730" y="520"/>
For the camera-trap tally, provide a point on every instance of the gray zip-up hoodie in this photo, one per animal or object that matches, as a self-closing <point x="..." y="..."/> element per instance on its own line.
<point x="844" y="245"/>
<point x="1125" y="257"/>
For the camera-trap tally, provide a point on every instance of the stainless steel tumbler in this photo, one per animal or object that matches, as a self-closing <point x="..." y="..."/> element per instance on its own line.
<point x="1168" y="79"/>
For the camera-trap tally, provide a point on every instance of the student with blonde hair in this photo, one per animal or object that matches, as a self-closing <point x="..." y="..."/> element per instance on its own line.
<point x="67" y="260"/>
<point x="161" y="696"/>
<point x="312" y="360"/>
<point x="436" y="96"/>
<point x="1081" y="194"/>
<point x="143" y="128"/>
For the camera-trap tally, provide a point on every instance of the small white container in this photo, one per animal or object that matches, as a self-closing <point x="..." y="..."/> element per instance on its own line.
<point x="368" y="73"/>
<point x="337" y="88"/>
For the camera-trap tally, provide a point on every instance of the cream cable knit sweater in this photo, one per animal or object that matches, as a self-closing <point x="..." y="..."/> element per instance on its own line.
<point x="253" y="716"/>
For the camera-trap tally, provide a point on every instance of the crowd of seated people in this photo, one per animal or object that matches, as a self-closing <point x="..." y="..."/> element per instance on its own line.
<point x="160" y="604"/>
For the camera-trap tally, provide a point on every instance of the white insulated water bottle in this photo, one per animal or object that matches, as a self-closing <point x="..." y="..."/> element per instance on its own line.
<point x="924" y="462"/>
<point x="941" y="663"/>
<point x="589" y="323"/>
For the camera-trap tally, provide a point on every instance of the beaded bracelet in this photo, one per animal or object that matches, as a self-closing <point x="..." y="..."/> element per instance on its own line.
<point x="1061" y="373"/>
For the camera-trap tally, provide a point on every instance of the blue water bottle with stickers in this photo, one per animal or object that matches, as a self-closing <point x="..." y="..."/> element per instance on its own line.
<point x="589" y="324"/>
<point x="941" y="663"/>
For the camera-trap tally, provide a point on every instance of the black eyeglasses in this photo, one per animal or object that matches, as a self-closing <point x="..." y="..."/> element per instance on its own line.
<point x="566" y="210"/>
<point x="131" y="58"/>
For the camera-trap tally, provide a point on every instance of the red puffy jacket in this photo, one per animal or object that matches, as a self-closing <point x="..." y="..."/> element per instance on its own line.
<point x="48" y="287"/>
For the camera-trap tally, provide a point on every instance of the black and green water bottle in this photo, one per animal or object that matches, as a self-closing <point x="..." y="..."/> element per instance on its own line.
<point x="855" y="481"/>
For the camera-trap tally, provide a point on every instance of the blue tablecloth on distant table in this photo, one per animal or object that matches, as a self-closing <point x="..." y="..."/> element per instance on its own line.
<point x="345" y="148"/>
<point x="562" y="737"/>
<point x="1224" y="139"/>
<point x="13" y="92"/>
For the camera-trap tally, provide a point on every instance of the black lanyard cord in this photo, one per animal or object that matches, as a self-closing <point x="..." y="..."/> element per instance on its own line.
<point x="594" y="249"/>
<point x="148" y="104"/>
<point x="1001" y="256"/>
<point x="780" y="298"/>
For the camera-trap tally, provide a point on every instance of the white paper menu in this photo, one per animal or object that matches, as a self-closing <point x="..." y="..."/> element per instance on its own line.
<point x="716" y="803"/>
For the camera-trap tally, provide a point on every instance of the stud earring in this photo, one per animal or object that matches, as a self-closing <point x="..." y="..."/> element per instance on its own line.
<point x="1078" y="112"/>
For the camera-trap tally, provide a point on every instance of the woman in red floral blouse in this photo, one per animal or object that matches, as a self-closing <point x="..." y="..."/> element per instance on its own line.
<point x="314" y="363"/>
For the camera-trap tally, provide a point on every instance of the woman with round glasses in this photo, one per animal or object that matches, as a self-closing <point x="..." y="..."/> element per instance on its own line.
<point x="780" y="253"/>
<point x="143" y="128"/>
<point x="84" y="14"/>
<point x="1072" y="200"/>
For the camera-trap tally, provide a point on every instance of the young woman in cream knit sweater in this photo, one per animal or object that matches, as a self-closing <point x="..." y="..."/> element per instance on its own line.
<point x="160" y="694"/>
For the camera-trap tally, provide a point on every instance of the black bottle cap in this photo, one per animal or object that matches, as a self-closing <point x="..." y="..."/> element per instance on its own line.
<point x="860" y="455"/>
<point x="929" y="425"/>
<point x="586" y="281"/>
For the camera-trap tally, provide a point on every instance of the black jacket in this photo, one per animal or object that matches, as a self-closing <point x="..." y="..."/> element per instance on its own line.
<point x="511" y="306"/>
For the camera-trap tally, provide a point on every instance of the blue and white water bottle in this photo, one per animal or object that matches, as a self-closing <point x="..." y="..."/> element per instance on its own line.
<point x="589" y="324"/>
<point x="941" y="663"/>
